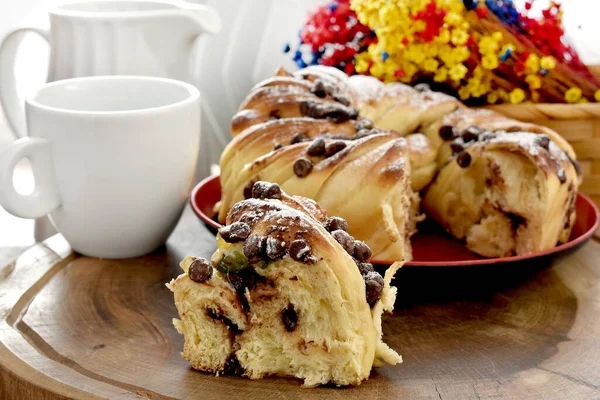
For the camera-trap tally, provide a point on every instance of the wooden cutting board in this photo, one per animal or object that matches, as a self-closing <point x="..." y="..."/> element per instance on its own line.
<point x="77" y="327"/>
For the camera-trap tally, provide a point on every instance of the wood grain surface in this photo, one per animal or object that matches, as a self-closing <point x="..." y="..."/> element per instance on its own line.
<point x="77" y="327"/>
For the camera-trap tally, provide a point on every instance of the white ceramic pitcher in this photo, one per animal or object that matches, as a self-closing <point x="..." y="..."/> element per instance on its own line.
<point x="126" y="37"/>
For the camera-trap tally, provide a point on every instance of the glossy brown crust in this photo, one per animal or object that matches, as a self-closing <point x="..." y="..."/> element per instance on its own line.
<point x="492" y="121"/>
<point x="377" y="164"/>
<point x="263" y="215"/>
<point x="286" y="105"/>
<point x="266" y="152"/>
<point x="267" y="134"/>
<point x="552" y="160"/>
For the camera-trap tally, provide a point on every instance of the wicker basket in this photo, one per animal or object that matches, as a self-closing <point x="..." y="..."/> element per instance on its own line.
<point x="578" y="123"/>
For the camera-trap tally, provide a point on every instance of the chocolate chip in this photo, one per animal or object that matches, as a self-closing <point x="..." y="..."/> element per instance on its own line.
<point x="232" y="366"/>
<point x="302" y="167"/>
<point x="364" y="124"/>
<point x="463" y="159"/>
<point x="543" y="141"/>
<point x="274" y="248"/>
<point x="336" y="112"/>
<point x="277" y="146"/>
<point x="318" y="88"/>
<point x="297" y="138"/>
<point x="422" y="87"/>
<point x="254" y="248"/>
<point x="300" y="250"/>
<point x="334" y="147"/>
<point x="362" y="252"/>
<point x="235" y="232"/>
<point x="200" y="270"/>
<point x="374" y="287"/>
<point x="316" y="148"/>
<point x="289" y="318"/>
<point x="248" y="190"/>
<point x="236" y="280"/>
<point x="364" y="267"/>
<point x="446" y="132"/>
<point x="266" y="190"/>
<point x="562" y="175"/>
<point x="335" y="223"/>
<point x="345" y="240"/>
<point x="471" y="134"/>
<point x="275" y="114"/>
<point x="342" y="99"/>
<point x="343" y="116"/>
<point x="456" y="147"/>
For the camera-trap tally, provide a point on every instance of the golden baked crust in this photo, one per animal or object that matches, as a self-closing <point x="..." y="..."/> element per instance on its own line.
<point x="488" y="120"/>
<point x="515" y="195"/>
<point x="323" y="102"/>
<point x="366" y="183"/>
<point x="309" y="320"/>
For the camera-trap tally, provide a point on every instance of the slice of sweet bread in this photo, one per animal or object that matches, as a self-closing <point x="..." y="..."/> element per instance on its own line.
<point x="288" y="292"/>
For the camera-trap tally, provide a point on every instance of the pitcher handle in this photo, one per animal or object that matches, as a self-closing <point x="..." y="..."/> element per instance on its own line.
<point x="13" y="107"/>
<point x="44" y="198"/>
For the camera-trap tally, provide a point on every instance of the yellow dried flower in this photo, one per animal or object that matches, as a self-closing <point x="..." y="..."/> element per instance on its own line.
<point x="532" y="64"/>
<point x="573" y="95"/>
<point x="464" y="93"/>
<point x="362" y="65"/>
<point x="490" y="61"/>
<point x="548" y="62"/>
<point x="533" y="81"/>
<point x="597" y="95"/>
<point x="488" y="45"/>
<point x="442" y="74"/>
<point x="502" y="94"/>
<point x="377" y="70"/>
<point x="457" y="72"/>
<point x="460" y="54"/>
<point x="517" y="96"/>
<point x="459" y="37"/>
<point x="444" y="36"/>
<point x="453" y="19"/>
<point x="492" y="98"/>
<point x="430" y="65"/>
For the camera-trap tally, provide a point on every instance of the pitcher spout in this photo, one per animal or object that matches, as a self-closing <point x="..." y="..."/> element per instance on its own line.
<point x="205" y="18"/>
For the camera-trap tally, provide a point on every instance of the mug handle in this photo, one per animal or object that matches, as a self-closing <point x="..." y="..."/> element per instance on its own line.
<point x="44" y="198"/>
<point x="14" y="108"/>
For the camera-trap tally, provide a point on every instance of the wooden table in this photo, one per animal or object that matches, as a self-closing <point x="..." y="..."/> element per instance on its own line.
<point x="75" y="327"/>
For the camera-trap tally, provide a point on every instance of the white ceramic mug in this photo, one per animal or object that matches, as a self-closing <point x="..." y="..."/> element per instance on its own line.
<point x="126" y="37"/>
<point x="113" y="160"/>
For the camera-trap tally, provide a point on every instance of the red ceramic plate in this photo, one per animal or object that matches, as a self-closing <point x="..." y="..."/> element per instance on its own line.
<point x="432" y="246"/>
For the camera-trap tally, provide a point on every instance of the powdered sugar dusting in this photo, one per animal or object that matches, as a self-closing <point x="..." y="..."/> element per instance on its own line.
<point x="419" y="143"/>
<point x="530" y="143"/>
